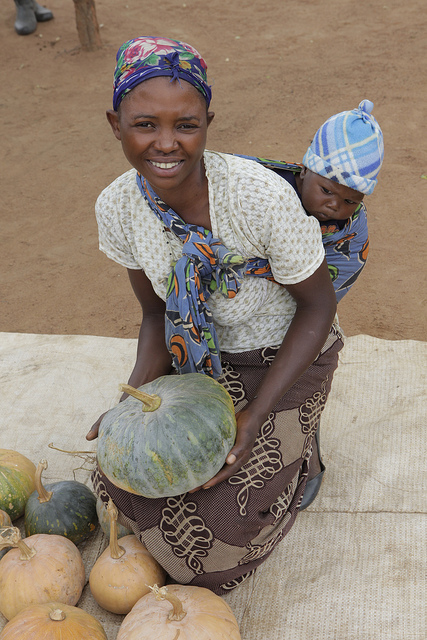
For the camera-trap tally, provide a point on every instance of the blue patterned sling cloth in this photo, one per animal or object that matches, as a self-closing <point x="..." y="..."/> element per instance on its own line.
<point x="205" y="266"/>
<point x="346" y="250"/>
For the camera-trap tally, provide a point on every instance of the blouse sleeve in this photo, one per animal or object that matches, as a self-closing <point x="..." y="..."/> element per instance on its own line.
<point x="113" y="215"/>
<point x="280" y="229"/>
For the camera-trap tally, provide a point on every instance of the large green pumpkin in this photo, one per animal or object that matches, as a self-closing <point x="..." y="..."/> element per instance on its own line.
<point x="172" y="439"/>
<point x="16" y="482"/>
<point x="65" y="508"/>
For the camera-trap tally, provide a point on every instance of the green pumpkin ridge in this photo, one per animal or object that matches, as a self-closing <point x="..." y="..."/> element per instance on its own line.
<point x="174" y="449"/>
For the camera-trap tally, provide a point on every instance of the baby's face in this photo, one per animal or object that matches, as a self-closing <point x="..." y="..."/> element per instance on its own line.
<point x="325" y="199"/>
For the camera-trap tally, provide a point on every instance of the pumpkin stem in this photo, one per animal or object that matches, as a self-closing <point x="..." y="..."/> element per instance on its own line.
<point x="162" y="593"/>
<point x="151" y="403"/>
<point x="44" y="496"/>
<point x="116" y="551"/>
<point x="50" y="445"/>
<point x="5" y="520"/>
<point x="11" y="537"/>
<point x="57" y="614"/>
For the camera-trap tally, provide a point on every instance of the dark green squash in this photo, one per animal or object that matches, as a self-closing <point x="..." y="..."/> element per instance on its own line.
<point x="66" y="508"/>
<point x="172" y="436"/>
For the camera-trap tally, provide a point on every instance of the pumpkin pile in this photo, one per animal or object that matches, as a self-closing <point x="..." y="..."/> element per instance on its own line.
<point x="168" y="437"/>
<point x="45" y="570"/>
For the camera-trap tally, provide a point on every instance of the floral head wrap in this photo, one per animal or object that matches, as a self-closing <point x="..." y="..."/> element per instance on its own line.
<point x="145" y="57"/>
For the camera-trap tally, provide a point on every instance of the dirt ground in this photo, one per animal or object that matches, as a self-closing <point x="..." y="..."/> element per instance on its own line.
<point x="278" y="69"/>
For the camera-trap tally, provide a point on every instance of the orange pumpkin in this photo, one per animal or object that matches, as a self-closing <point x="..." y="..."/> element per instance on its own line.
<point x="180" y="612"/>
<point x="120" y="576"/>
<point x="53" y="621"/>
<point x="44" y="568"/>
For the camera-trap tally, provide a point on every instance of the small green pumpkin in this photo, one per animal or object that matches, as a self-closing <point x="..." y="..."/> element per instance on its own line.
<point x="170" y="436"/>
<point x="16" y="482"/>
<point x="104" y="521"/>
<point x="66" y="508"/>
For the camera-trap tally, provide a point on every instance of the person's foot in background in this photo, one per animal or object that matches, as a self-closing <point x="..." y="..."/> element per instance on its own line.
<point x="28" y="13"/>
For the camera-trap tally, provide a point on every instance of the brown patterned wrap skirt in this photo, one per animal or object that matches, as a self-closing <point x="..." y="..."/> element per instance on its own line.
<point x="216" y="538"/>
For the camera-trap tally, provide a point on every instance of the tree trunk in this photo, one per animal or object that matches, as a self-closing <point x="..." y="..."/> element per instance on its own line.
<point x="87" y="25"/>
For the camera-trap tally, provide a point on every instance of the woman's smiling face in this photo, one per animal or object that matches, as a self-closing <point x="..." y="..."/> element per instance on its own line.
<point x="162" y="126"/>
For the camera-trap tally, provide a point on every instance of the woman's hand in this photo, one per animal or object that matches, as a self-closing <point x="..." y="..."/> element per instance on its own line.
<point x="247" y="430"/>
<point x="93" y="433"/>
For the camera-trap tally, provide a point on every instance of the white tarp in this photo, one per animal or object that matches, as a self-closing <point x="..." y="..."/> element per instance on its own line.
<point x="361" y="566"/>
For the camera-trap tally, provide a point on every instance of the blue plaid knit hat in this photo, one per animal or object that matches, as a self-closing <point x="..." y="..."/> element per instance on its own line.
<point x="349" y="149"/>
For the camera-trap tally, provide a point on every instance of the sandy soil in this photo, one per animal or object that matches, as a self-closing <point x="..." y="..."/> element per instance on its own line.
<point x="279" y="69"/>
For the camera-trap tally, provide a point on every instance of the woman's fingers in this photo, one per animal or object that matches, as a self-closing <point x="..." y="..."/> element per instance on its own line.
<point x="233" y="464"/>
<point x="235" y="459"/>
<point x="93" y="433"/>
<point x="194" y="490"/>
<point x="240" y="453"/>
<point x="223" y="474"/>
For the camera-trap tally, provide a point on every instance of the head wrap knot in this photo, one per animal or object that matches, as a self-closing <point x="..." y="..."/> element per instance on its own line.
<point x="173" y="60"/>
<point x="145" y="57"/>
<point x="349" y="149"/>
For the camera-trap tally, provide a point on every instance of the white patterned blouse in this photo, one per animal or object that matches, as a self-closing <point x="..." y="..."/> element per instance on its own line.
<point x="255" y="213"/>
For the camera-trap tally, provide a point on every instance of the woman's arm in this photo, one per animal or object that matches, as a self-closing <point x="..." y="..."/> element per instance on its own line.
<point x="153" y="358"/>
<point x="307" y="333"/>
